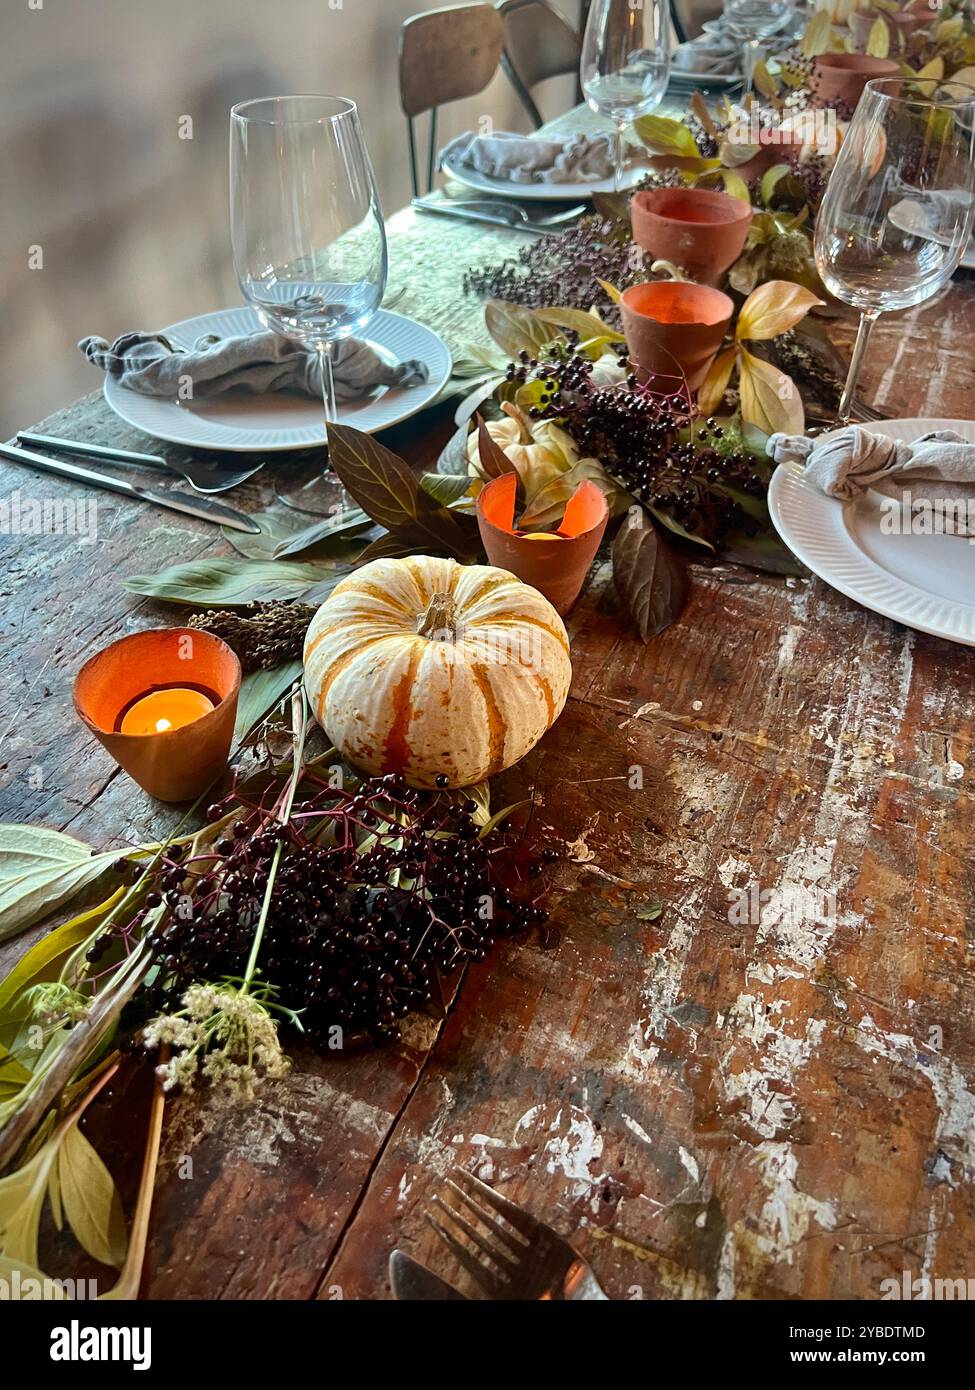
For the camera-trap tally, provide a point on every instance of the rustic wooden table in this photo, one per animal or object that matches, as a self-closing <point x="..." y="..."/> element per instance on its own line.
<point x="711" y="1102"/>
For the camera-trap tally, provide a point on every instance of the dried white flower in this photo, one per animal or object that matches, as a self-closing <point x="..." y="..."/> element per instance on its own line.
<point x="222" y="1032"/>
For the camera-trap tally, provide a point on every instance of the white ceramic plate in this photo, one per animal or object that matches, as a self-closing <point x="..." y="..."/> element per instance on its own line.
<point x="538" y="192"/>
<point x="925" y="582"/>
<point x="240" y="422"/>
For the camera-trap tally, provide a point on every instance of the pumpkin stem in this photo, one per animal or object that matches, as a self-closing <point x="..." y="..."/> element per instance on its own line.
<point x="439" y="619"/>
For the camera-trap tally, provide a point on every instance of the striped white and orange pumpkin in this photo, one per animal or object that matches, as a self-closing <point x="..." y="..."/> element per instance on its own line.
<point x="425" y="667"/>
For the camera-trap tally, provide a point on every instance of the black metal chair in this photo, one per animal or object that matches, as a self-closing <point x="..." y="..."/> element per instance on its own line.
<point x="445" y="55"/>
<point x="538" y="43"/>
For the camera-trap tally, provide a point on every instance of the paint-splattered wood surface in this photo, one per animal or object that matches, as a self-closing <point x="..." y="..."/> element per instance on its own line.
<point x="711" y="1102"/>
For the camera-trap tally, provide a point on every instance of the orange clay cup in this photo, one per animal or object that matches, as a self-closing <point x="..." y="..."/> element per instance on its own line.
<point x="673" y="330"/>
<point x="698" y="229"/>
<point x="556" y="565"/>
<point x="180" y="764"/>
<point x="839" y="78"/>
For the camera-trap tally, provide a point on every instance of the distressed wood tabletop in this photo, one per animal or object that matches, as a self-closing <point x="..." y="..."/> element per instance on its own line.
<point x="742" y="1063"/>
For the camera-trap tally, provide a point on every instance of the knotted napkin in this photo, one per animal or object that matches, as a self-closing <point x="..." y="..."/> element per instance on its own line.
<point x="525" y="159"/>
<point x="714" y="52"/>
<point x="259" y="362"/>
<point x="935" y="473"/>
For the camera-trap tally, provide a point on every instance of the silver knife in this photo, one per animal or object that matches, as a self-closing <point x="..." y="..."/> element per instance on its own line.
<point x="201" y="507"/>
<point x="412" y="1281"/>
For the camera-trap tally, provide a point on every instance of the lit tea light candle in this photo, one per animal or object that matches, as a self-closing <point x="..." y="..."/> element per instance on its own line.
<point x="558" y="561"/>
<point x="163" y="703"/>
<point x="161" y="710"/>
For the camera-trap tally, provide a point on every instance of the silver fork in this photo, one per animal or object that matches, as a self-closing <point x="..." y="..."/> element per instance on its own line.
<point x="515" y="1256"/>
<point x="497" y="212"/>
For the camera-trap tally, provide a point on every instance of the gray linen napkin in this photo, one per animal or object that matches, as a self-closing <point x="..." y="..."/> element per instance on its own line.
<point x="936" y="473"/>
<point x="524" y="159"/>
<point x="715" y="53"/>
<point x="259" y="362"/>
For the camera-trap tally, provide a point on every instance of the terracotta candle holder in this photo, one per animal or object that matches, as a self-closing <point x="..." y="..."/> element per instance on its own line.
<point x="556" y="563"/>
<point x="902" y="24"/>
<point x="180" y="763"/>
<point x="839" y="78"/>
<point x="673" y="330"/>
<point x="698" y="229"/>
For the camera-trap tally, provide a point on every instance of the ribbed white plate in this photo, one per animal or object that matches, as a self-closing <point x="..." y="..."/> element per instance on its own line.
<point x="538" y="192"/>
<point x="926" y="582"/>
<point x="241" y="422"/>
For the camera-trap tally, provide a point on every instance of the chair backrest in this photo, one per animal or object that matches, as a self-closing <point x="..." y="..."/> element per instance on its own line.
<point x="445" y="55"/>
<point x="448" y="54"/>
<point x="688" y="16"/>
<point x="538" y="43"/>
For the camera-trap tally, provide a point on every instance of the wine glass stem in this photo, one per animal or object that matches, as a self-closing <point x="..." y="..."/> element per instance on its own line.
<point x="328" y="383"/>
<point x="749" y="56"/>
<point x="867" y="321"/>
<point x="619" y="150"/>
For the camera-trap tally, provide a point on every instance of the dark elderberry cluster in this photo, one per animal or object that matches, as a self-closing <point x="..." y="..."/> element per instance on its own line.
<point x="377" y="894"/>
<point x="649" y="441"/>
<point x="562" y="268"/>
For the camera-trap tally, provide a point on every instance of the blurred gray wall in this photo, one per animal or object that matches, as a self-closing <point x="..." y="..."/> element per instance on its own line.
<point x="108" y="219"/>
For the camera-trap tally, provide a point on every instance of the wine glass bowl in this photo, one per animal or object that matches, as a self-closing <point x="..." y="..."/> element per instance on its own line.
<point x="750" y="21"/>
<point x="307" y="231"/>
<point x="624" y="66"/>
<point x="898" y="210"/>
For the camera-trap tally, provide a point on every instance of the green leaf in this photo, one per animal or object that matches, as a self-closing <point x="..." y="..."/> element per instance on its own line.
<point x="818" y="34"/>
<point x="501" y="816"/>
<point x="736" y="186"/>
<point x="492" y="459"/>
<point x="39" y="870"/>
<point x="770" y="179"/>
<point x="587" y="324"/>
<point x="392" y="546"/>
<point x="763" y="81"/>
<point x="17" y="1269"/>
<point x="614" y="294"/>
<point x="260" y="692"/>
<point x="547" y="507"/>
<point x="229" y="583"/>
<point x="711" y="391"/>
<point x="615" y="209"/>
<point x="91" y="1202"/>
<point x="287" y="532"/>
<point x="878" y="40"/>
<point x="652" y="580"/>
<point x="651" y="911"/>
<point x="769" y="397"/>
<point x="389" y="492"/>
<point x="479" y="792"/>
<point x="665" y="135"/>
<point x="774" y="308"/>
<point x="22" y="1194"/>
<point x="764" y="552"/>
<point x="327" y="537"/>
<point x="670" y="523"/>
<point x="514" y="328"/>
<point x="44" y="959"/>
<point x="446" y="488"/>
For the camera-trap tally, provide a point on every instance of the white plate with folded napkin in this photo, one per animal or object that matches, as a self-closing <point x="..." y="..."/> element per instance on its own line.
<point x="460" y="169"/>
<point x="239" y="421"/>
<point x="924" y="581"/>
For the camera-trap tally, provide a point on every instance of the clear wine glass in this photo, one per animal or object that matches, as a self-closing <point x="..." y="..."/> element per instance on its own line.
<point x="625" y="64"/>
<point x="898" y="210"/>
<point x="309" y="242"/>
<point x="750" y="21"/>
